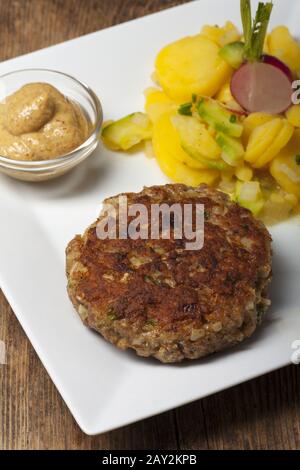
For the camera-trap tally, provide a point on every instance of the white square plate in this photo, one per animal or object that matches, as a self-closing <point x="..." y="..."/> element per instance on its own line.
<point x="104" y="387"/>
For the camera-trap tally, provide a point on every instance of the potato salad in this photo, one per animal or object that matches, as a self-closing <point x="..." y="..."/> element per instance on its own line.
<point x="221" y="111"/>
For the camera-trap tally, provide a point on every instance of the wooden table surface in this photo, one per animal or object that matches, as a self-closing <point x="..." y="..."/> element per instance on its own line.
<point x="261" y="414"/>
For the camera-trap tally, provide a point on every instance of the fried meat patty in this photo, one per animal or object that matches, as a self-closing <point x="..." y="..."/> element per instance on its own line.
<point x="162" y="300"/>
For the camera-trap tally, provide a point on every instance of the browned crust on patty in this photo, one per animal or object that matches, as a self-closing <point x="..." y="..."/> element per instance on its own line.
<point x="164" y="301"/>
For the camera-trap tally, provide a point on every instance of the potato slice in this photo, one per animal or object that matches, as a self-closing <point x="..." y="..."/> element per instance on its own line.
<point x="173" y="160"/>
<point x="157" y="103"/>
<point x="196" y="140"/>
<point x="167" y="138"/>
<point x="283" y="45"/>
<point x="244" y="173"/>
<point x="285" y="168"/>
<point x="221" y="36"/>
<point x="293" y="115"/>
<point x="279" y="143"/>
<point x="253" y="121"/>
<point x="261" y="139"/>
<point x="189" y="66"/>
<point x="224" y="95"/>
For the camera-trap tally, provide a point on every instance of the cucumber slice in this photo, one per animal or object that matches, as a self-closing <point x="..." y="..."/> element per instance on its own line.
<point x="210" y="164"/>
<point x="233" y="54"/>
<point x="219" y="117"/>
<point x="197" y="142"/>
<point x="249" y="195"/>
<point x="127" y="132"/>
<point x="233" y="150"/>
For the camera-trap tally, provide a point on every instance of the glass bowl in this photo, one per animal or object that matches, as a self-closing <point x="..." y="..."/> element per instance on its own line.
<point x="42" y="170"/>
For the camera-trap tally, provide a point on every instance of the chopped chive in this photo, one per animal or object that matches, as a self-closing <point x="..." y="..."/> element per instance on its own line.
<point x="185" y="109"/>
<point x="260" y="314"/>
<point x="152" y="280"/>
<point x="233" y="119"/>
<point x="111" y="315"/>
<point x="206" y="215"/>
<point x="194" y="98"/>
<point x="151" y="322"/>
<point x="297" y="159"/>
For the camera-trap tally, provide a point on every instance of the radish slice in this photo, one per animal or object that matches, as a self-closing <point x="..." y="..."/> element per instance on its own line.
<point x="271" y="60"/>
<point x="261" y="87"/>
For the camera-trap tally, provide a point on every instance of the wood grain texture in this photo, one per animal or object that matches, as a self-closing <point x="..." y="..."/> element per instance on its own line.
<point x="261" y="414"/>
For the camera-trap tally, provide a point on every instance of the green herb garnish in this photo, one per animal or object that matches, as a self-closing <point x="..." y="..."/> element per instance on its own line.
<point x="150" y="322"/>
<point x="194" y="98"/>
<point x="233" y="119"/>
<point x="255" y="34"/>
<point x="152" y="280"/>
<point x="246" y="20"/>
<point x="111" y="315"/>
<point x="260" y="312"/>
<point x="297" y="158"/>
<point x="185" y="109"/>
<point x="206" y="215"/>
